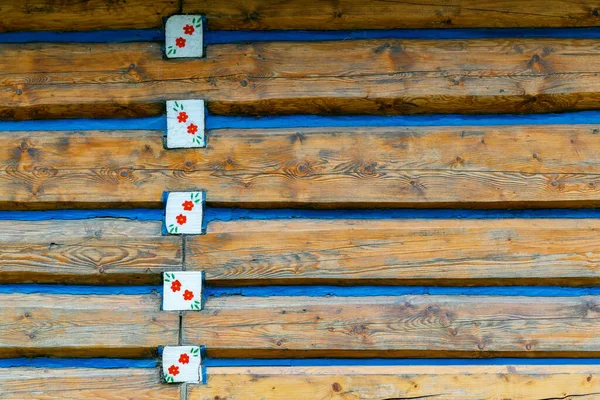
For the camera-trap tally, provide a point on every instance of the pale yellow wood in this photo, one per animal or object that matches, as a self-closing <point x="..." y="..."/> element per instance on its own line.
<point x="401" y="382"/>
<point x="91" y="251"/>
<point x="122" y="326"/>
<point x="85" y="384"/>
<point x="398" y="251"/>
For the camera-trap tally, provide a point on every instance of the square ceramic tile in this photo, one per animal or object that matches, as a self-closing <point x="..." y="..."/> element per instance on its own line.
<point x="183" y="36"/>
<point x="184" y="212"/>
<point x="182" y="290"/>
<point x="181" y="364"/>
<point x="185" y="124"/>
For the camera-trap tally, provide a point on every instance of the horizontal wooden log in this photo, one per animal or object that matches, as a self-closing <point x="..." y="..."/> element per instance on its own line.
<point x="85" y="384"/>
<point x="91" y="251"/>
<point x="383" y="76"/>
<point x="421" y="252"/>
<point x="402" y="382"/>
<point x="119" y="326"/>
<point x="402" y="326"/>
<point x="382" y="14"/>
<point x="511" y="166"/>
<point x="72" y="15"/>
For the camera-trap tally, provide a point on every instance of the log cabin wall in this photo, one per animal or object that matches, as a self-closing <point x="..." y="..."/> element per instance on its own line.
<point x="399" y="200"/>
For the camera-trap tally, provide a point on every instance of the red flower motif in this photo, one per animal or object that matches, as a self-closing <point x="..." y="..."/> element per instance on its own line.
<point x="184" y="359"/>
<point x="181" y="219"/>
<point x="174" y="370"/>
<point x="182" y="117"/>
<point x="187" y="295"/>
<point x="176" y="286"/>
<point x="192" y="129"/>
<point x="180" y="42"/>
<point x="187" y="205"/>
<point x="188" y="29"/>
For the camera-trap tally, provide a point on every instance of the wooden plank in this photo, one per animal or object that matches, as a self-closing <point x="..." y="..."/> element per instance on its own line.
<point x="511" y="166"/>
<point x="382" y="14"/>
<point x="120" y="326"/>
<point x="383" y="76"/>
<point x="72" y="15"/>
<point x="398" y="326"/>
<point x="419" y="252"/>
<point x="85" y="384"/>
<point x="400" y="382"/>
<point x="90" y="251"/>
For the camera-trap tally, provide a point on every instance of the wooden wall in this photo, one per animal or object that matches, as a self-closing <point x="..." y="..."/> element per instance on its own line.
<point x="314" y="109"/>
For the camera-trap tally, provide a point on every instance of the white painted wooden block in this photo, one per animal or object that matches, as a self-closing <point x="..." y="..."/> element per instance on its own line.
<point x="182" y="290"/>
<point x="184" y="212"/>
<point x="181" y="364"/>
<point x="185" y="124"/>
<point x="184" y="36"/>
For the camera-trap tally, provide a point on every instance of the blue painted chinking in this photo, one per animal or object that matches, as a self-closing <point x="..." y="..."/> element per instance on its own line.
<point x="222" y="37"/>
<point x="43" y="362"/>
<point x="110" y="363"/>
<point x="233" y="214"/>
<point x="306" y="121"/>
<point x="313" y="291"/>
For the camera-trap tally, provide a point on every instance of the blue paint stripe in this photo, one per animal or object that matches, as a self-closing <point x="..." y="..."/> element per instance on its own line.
<point x="306" y="121"/>
<point x="222" y="37"/>
<point x="316" y="362"/>
<point x="218" y="37"/>
<point x="314" y="291"/>
<point x="79" y="289"/>
<point x="76" y="363"/>
<point x="233" y="214"/>
<point x="137" y="214"/>
<point x="103" y="36"/>
<point x="108" y="363"/>
<point x="316" y="121"/>
<point x="84" y="124"/>
<point x="367" y="291"/>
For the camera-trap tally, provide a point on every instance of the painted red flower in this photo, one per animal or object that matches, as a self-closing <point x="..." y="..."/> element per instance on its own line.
<point x="187" y="295"/>
<point x="176" y="286"/>
<point x="184" y="359"/>
<point x="180" y="42"/>
<point x="182" y="117"/>
<point x="188" y="29"/>
<point x="192" y="129"/>
<point x="174" y="370"/>
<point x="188" y="205"/>
<point x="181" y="219"/>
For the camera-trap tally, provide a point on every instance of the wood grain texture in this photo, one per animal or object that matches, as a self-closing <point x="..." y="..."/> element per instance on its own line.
<point x="84" y="384"/>
<point x="384" y="76"/>
<point x="512" y="166"/>
<point x="123" y="326"/>
<point x="405" y="382"/>
<point x="399" y="326"/>
<point x="76" y="15"/>
<point x="382" y="14"/>
<point x="420" y="252"/>
<point x="91" y="251"/>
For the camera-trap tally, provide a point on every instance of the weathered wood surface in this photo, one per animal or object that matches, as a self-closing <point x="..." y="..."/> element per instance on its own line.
<point x="382" y="14"/>
<point x="400" y="326"/>
<point x="422" y="252"/>
<point x="84" y="325"/>
<point x="383" y="76"/>
<point x="84" y="384"/>
<point x="75" y="15"/>
<point x="402" y="382"/>
<point x="90" y="251"/>
<point x="513" y="166"/>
